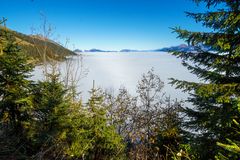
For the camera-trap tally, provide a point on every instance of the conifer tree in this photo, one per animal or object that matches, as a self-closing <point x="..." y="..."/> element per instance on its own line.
<point x="51" y="118"/>
<point x="217" y="64"/>
<point x="15" y="86"/>
<point x="15" y="97"/>
<point x="232" y="146"/>
<point x="106" y="144"/>
<point x="66" y="129"/>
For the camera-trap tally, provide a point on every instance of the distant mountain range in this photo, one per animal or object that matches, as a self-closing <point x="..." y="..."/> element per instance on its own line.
<point x="99" y="50"/>
<point x="91" y="50"/>
<point x="181" y="47"/>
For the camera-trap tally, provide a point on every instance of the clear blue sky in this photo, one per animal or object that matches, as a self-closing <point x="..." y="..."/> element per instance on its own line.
<point x="105" y="24"/>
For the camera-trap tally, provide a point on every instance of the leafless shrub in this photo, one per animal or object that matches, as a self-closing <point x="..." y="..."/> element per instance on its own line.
<point x="141" y="119"/>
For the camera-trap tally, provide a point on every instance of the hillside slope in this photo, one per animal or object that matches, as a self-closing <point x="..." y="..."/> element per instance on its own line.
<point x="35" y="47"/>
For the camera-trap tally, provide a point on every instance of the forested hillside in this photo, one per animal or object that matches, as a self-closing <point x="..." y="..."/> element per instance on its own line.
<point x="35" y="46"/>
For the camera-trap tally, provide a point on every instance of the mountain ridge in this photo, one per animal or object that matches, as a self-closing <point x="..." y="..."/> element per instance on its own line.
<point x="34" y="46"/>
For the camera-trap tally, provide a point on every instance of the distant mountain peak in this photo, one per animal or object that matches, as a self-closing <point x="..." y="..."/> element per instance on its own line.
<point x="77" y="50"/>
<point x="181" y="47"/>
<point x="129" y="50"/>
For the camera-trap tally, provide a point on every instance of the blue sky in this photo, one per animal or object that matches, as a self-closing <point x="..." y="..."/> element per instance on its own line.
<point x="105" y="24"/>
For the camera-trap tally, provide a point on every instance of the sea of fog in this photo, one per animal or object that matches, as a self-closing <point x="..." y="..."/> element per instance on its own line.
<point x="113" y="70"/>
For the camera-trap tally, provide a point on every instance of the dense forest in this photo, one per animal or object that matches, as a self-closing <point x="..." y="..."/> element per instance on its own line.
<point x="46" y="120"/>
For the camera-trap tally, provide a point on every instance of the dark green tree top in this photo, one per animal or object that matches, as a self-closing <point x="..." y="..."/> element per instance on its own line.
<point x="216" y="62"/>
<point x="15" y="104"/>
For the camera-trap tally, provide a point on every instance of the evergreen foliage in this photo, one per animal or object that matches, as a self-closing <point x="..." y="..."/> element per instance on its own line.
<point x="15" y="97"/>
<point x="15" y="86"/>
<point x="233" y="146"/>
<point x="51" y="118"/>
<point x="106" y="143"/>
<point x="213" y="99"/>
<point x="66" y="129"/>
